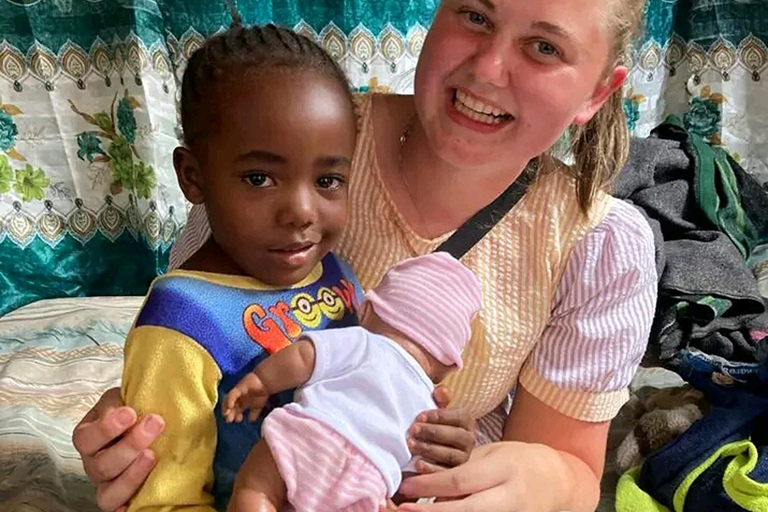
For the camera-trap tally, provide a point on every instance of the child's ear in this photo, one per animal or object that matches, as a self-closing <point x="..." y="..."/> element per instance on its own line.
<point x="189" y="175"/>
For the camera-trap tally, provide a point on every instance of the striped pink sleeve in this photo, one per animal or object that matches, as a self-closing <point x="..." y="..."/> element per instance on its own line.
<point x="601" y="319"/>
<point x="193" y="236"/>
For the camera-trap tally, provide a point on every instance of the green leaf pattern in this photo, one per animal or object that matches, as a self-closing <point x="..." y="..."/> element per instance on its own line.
<point x="104" y="122"/>
<point x="30" y="183"/>
<point x="145" y="180"/>
<point x="89" y="145"/>
<point x="111" y="144"/>
<point x="122" y="161"/>
<point x="129" y="173"/>
<point x="6" y="175"/>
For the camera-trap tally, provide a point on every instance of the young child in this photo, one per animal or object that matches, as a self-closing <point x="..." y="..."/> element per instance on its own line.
<point x="341" y="446"/>
<point x="269" y="134"/>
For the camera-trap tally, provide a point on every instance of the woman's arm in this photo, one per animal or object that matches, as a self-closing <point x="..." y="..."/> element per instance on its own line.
<point x="572" y="384"/>
<point x="570" y="450"/>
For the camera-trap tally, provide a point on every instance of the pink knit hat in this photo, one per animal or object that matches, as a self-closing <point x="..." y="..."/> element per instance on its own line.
<point x="431" y="299"/>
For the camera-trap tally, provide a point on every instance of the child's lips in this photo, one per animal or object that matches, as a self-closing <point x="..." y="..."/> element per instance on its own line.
<point x="294" y="247"/>
<point x="295" y="255"/>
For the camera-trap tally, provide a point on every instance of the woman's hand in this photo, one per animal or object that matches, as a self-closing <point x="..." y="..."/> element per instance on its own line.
<point x="548" y="462"/>
<point x="442" y="438"/>
<point x="114" y="445"/>
<point x="506" y="476"/>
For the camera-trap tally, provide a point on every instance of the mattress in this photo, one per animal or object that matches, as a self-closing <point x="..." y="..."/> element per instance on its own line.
<point x="56" y="358"/>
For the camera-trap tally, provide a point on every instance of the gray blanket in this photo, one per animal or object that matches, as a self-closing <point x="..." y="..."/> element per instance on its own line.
<point x="708" y="297"/>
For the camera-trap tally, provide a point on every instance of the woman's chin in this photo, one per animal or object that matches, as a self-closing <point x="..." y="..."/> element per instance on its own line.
<point x="473" y="156"/>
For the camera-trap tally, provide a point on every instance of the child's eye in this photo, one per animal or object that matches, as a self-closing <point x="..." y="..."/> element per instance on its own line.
<point x="330" y="182"/>
<point x="259" y="180"/>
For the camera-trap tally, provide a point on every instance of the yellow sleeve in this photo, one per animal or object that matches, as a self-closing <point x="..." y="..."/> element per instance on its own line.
<point x="169" y="374"/>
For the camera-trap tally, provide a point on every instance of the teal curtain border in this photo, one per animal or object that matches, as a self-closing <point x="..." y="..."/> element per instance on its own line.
<point x="700" y="21"/>
<point x="152" y="21"/>
<point x="704" y="21"/>
<point x="100" y="267"/>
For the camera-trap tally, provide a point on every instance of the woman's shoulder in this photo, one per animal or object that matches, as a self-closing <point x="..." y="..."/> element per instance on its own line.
<point x="626" y="220"/>
<point x="623" y="241"/>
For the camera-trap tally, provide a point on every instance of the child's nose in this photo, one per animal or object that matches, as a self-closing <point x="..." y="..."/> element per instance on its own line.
<point x="299" y="209"/>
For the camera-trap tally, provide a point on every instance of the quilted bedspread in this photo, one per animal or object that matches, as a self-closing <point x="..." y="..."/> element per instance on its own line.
<point x="56" y="358"/>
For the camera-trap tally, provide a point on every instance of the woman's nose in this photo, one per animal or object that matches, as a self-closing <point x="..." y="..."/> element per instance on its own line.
<point x="492" y="62"/>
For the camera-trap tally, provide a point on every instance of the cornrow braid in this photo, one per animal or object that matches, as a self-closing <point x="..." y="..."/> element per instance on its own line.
<point x="242" y="47"/>
<point x="237" y="19"/>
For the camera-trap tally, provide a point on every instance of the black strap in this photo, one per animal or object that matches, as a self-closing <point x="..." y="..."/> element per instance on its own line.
<point x="472" y="231"/>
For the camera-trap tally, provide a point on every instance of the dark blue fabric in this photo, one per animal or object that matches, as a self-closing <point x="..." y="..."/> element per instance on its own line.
<point x="738" y="394"/>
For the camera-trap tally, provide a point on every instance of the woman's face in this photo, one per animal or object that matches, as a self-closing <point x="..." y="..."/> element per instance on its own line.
<point x="499" y="81"/>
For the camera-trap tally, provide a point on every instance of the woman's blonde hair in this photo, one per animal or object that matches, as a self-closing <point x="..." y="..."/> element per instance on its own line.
<point x="601" y="146"/>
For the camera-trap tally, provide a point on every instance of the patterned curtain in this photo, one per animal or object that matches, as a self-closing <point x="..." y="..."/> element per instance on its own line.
<point x="707" y="61"/>
<point x="88" y="199"/>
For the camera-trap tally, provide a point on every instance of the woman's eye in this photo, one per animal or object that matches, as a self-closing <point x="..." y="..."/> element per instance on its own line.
<point x="330" y="182"/>
<point x="259" y="180"/>
<point x="475" y="18"/>
<point x="547" y="49"/>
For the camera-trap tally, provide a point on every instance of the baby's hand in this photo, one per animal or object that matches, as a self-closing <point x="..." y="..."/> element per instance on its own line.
<point x="250" y="393"/>
<point x="442" y="438"/>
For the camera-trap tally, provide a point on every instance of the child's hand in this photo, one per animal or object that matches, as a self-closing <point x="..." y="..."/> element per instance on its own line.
<point x="250" y="393"/>
<point x="442" y="438"/>
<point x="389" y="506"/>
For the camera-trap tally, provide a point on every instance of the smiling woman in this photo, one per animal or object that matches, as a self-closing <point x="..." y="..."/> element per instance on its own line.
<point x="568" y="275"/>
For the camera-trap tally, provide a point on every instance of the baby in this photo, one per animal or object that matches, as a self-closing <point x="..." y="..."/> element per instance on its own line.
<point x="341" y="446"/>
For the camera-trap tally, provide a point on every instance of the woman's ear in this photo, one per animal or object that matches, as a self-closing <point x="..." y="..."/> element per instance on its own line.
<point x="189" y="175"/>
<point x="613" y="82"/>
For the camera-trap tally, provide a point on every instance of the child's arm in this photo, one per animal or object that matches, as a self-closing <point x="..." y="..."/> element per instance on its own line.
<point x="289" y="368"/>
<point x="169" y="374"/>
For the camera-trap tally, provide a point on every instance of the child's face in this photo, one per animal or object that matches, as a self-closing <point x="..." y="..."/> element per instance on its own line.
<point x="273" y="165"/>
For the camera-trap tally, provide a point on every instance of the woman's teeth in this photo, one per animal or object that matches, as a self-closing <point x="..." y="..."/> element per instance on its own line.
<point x="477" y="110"/>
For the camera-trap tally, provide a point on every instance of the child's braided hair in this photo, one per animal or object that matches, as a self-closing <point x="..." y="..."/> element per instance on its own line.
<point x="241" y="47"/>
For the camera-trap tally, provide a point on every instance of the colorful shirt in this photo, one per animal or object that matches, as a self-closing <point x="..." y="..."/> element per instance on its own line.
<point x="196" y="336"/>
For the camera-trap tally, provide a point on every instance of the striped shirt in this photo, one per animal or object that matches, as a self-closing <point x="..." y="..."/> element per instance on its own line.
<point x="598" y="313"/>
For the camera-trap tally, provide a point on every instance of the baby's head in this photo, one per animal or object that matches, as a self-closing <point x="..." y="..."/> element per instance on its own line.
<point x="269" y="134"/>
<point x="430" y="301"/>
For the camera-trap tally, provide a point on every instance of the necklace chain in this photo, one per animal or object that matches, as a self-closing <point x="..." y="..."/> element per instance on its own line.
<point x="401" y="171"/>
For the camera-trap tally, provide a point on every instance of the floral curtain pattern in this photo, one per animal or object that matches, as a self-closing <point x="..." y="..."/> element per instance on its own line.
<point x="707" y="61"/>
<point x="88" y="199"/>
